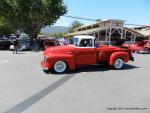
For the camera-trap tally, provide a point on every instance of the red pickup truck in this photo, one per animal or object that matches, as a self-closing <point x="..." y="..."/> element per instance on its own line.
<point x="84" y="51"/>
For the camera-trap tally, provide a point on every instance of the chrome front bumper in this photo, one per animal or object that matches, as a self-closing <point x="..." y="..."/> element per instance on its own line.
<point x="44" y="67"/>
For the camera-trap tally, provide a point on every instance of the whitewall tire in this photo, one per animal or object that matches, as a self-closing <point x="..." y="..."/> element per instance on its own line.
<point x="60" y="67"/>
<point x="119" y="63"/>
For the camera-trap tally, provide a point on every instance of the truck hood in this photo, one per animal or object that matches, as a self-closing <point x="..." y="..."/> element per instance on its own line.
<point x="59" y="49"/>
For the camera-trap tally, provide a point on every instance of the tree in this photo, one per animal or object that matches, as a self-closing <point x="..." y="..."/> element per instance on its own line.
<point x="59" y="34"/>
<point x="75" y="24"/>
<point x="5" y="28"/>
<point x="30" y="16"/>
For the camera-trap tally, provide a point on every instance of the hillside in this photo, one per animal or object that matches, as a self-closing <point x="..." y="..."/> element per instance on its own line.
<point x="54" y="29"/>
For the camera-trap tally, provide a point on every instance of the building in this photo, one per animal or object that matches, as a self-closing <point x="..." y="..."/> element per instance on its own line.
<point x="144" y="30"/>
<point x="108" y="30"/>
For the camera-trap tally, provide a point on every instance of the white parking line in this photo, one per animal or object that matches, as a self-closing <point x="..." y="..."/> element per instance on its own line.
<point x="2" y="61"/>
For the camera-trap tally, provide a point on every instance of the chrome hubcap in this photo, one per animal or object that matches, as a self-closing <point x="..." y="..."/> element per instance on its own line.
<point x="60" y="66"/>
<point x="118" y="63"/>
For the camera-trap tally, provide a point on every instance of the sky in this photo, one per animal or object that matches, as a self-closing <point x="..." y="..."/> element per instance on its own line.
<point x="132" y="11"/>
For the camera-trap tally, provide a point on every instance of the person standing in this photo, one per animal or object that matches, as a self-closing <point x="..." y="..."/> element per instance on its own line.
<point x="15" y="46"/>
<point x="65" y="41"/>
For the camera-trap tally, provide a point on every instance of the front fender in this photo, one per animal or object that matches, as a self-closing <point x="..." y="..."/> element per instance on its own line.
<point x="68" y="58"/>
<point x="123" y="55"/>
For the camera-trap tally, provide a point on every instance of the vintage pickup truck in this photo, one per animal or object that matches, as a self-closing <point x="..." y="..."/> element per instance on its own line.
<point x="84" y="51"/>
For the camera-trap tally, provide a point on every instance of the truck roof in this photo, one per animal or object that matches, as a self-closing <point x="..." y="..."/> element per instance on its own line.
<point x="84" y="36"/>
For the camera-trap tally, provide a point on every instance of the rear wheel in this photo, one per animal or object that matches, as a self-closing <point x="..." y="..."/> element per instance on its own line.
<point x="60" y="67"/>
<point x="118" y="64"/>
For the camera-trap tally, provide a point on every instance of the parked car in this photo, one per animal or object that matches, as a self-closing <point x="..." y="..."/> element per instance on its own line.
<point x="146" y="48"/>
<point x="138" y="47"/>
<point x="23" y="44"/>
<point x="12" y="37"/>
<point x="84" y="52"/>
<point x="50" y="42"/>
<point x="4" y="43"/>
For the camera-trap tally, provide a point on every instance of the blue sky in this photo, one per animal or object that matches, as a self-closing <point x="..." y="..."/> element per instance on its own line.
<point x="133" y="11"/>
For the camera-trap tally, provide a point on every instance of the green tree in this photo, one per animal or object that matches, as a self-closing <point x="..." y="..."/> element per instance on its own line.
<point x="41" y="33"/>
<point x="74" y="24"/>
<point x="5" y="27"/>
<point x="59" y="34"/>
<point x="32" y="15"/>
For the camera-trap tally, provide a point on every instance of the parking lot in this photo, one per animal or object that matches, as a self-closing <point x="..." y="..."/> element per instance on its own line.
<point x="25" y="88"/>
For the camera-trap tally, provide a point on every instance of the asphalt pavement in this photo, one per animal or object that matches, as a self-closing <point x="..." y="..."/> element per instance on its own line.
<point x="25" y="88"/>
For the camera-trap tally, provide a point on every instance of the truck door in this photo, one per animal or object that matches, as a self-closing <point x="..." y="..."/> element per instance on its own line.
<point x="86" y="53"/>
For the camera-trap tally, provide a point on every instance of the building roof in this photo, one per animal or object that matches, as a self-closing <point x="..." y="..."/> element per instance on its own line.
<point x="134" y="31"/>
<point x="88" y="31"/>
<point x="142" y="27"/>
<point x="97" y="24"/>
<point x="103" y="21"/>
<point x="103" y="25"/>
<point x="145" y="32"/>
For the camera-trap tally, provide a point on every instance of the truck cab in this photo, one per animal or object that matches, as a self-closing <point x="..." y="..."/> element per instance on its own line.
<point x="85" y="49"/>
<point x="83" y="41"/>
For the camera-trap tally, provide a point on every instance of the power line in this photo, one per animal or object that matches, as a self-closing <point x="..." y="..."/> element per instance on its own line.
<point x="89" y="19"/>
<point x="82" y="18"/>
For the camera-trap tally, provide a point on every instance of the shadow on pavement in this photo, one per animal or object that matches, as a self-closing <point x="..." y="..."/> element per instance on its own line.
<point x="129" y="67"/>
<point x="25" y="104"/>
<point x="94" y="68"/>
<point x="19" y="53"/>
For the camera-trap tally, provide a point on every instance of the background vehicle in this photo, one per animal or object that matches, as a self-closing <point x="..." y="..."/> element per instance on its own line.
<point x="50" y="42"/>
<point x="23" y="42"/>
<point x="138" y="47"/>
<point x="146" y="47"/>
<point x="4" y="43"/>
<point x="84" y="52"/>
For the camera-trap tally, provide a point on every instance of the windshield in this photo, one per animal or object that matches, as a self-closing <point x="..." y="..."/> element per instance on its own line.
<point x="74" y="41"/>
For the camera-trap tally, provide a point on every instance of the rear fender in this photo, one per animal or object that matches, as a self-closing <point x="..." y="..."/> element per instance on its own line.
<point x="123" y="55"/>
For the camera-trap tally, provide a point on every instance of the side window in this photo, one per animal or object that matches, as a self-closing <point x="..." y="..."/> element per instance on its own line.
<point x="86" y="43"/>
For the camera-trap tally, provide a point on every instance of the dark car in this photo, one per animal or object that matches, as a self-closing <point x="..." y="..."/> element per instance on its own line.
<point x="51" y="42"/>
<point x="4" y="43"/>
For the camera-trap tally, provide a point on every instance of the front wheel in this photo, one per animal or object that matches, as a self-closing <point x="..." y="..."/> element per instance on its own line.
<point x="118" y="64"/>
<point x="60" y="66"/>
